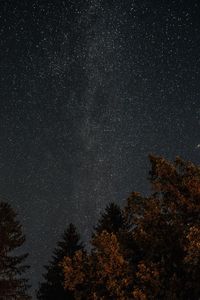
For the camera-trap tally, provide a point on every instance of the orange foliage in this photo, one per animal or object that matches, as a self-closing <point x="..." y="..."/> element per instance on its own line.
<point x="160" y="256"/>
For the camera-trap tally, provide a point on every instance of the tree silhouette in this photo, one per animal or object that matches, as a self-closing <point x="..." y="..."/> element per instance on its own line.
<point x="111" y="220"/>
<point x="12" y="285"/>
<point x="52" y="288"/>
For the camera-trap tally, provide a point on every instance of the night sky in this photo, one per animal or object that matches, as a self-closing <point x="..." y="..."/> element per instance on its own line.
<point x="87" y="90"/>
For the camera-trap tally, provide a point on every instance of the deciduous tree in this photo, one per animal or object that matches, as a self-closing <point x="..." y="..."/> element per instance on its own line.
<point x="160" y="259"/>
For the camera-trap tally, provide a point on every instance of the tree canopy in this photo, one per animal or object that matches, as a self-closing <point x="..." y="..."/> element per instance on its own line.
<point x="161" y="257"/>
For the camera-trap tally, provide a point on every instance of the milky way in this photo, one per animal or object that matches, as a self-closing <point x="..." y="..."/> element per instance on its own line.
<point x="88" y="90"/>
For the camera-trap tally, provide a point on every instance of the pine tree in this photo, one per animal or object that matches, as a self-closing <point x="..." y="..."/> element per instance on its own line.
<point x="102" y="274"/>
<point x="52" y="288"/>
<point x="12" y="285"/>
<point x="99" y="274"/>
<point x="112" y="220"/>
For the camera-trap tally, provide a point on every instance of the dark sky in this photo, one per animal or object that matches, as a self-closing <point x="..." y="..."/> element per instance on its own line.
<point x="88" y="89"/>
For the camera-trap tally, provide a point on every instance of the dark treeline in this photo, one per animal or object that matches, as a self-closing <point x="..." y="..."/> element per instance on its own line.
<point x="149" y="249"/>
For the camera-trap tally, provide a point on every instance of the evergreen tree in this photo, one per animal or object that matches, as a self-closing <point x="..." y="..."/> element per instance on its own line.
<point x="52" y="288"/>
<point x="102" y="274"/>
<point x="12" y="285"/>
<point x="99" y="274"/>
<point x="112" y="220"/>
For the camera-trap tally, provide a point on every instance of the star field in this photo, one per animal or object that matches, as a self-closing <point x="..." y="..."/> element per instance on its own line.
<point x="89" y="89"/>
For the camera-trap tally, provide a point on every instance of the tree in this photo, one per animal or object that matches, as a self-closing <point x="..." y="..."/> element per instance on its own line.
<point x="98" y="274"/>
<point x="163" y="259"/>
<point x="52" y="288"/>
<point x="102" y="274"/>
<point x="111" y="220"/>
<point x="12" y="285"/>
<point x="166" y="230"/>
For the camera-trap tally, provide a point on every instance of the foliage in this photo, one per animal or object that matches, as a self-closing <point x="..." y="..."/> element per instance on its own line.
<point x="156" y="256"/>
<point x="103" y="274"/>
<point x="52" y="288"/>
<point x="12" y="285"/>
<point x="111" y="220"/>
